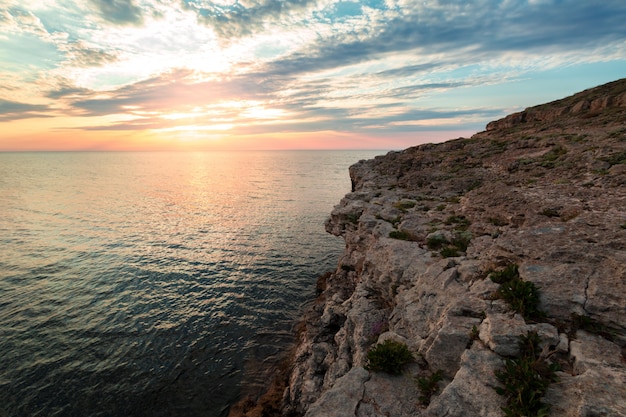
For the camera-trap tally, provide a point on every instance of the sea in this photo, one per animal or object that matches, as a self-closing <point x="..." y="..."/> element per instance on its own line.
<point x="157" y="284"/>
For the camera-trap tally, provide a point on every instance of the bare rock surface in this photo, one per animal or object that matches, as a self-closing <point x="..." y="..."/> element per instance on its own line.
<point x="545" y="190"/>
<point x="471" y="391"/>
<point x="344" y="397"/>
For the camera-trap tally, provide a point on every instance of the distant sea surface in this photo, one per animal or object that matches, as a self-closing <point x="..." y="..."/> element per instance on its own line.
<point x="156" y="284"/>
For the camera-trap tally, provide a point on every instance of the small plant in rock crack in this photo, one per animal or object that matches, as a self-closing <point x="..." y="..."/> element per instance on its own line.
<point x="428" y="386"/>
<point x="548" y="160"/>
<point x="436" y="242"/>
<point x="400" y="234"/>
<point x="522" y="296"/>
<point x="507" y="274"/>
<point x="404" y="205"/>
<point x="389" y="356"/>
<point x="460" y="222"/>
<point x="459" y="243"/>
<point x="474" y="335"/>
<point x="353" y="217"/>
<point x="449" y="252"/>
<point x="551" y="212"/>
<point x="462" y="240"/>
<point x="498" y="221"/>
<point x="525" y="380"/>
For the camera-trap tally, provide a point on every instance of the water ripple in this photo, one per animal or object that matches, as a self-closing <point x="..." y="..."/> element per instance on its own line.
<point x="155" y="284"/>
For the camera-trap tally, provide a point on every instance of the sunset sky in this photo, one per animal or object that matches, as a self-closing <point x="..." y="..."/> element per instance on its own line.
<point x="295" y="74"/>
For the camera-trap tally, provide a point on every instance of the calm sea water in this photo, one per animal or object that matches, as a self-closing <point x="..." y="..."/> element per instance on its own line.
<point x="156" y="284"/>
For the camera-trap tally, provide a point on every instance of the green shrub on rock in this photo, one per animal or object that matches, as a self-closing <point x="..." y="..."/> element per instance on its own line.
<point x="461" y="222"/>
<point x="522" y="296"/>
<point x="436" y="241"/>
<point x="509" y="273"/>
<point x="449" y="252"/>
<point x="400" y="234"/>
<point x="525" y="380"/>
<point x="389" y="356"/>
<point x="404" y="205"/>
<point x="460" y="242"/>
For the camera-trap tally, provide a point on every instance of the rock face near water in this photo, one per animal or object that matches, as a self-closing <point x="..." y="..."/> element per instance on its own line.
<point x="544" y="189"/>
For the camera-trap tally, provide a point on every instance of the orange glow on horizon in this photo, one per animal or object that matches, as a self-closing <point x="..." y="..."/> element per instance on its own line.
<point x="182" y="133"/>
<point x="25" y="137"/>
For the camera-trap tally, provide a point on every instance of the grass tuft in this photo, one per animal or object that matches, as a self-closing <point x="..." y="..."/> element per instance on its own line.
<point x="389" y="356"/>
<point x="404" y="205"/>
<point x="428" y="386"/>
<point x="459" y="222"/>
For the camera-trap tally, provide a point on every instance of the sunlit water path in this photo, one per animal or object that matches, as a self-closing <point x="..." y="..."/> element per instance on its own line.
<point x="153" y="284"/>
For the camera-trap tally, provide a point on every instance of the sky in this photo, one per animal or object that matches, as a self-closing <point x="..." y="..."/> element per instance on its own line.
<point x="290" y="74"/>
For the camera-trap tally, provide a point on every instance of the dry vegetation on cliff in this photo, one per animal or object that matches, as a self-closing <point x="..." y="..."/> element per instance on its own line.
<point x="542" y="191"/>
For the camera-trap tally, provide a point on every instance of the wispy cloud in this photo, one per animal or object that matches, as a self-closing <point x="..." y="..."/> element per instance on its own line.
<point x="470" y="31"/>
<point x="248" y="17"/>
<point x="119" y="11"/>
<point x="12" y="110"/>
<point x="79" y="54"/>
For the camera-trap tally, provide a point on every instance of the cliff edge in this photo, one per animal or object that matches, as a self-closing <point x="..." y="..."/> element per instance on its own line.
<point x="430" y="233"/>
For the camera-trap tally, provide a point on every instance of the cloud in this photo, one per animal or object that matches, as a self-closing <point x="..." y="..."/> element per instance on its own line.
<point x="171" y="90"/>
<point x="120" y="12"/>
<point x="79" y="54"/>
<point x="471" y="31"/>
<point x="17" y="20"/>
<point x="413" y="89"/>
<point x="383" y="66"/>
<point x="409" y="70"/>
<point x="247" y="104"/>
<point x="62" y="88"/>
<point x="512" y="25"/>
<point x="245" y="18"/>
<point x="12" y="110"/>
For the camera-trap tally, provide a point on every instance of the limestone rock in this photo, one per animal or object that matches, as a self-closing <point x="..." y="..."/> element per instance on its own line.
<point x="544" y="189"/>
<point x="592" y="352"/>
<point x="609" y="95"/>
<point x="597" y="386"/>
<point x="387" y="395"/>
<point x="342" y="399"/>
<point x="448" y="344"/>
<point x="471" y="393"/>
<point x="501" y="333"/>
<point x="597" y="392"/>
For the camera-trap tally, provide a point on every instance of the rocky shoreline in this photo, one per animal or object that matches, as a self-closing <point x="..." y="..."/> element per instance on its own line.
<point x="541" y="192"/>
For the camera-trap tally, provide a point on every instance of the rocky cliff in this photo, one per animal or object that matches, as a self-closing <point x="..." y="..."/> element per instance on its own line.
<point x="429" y="233"/>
